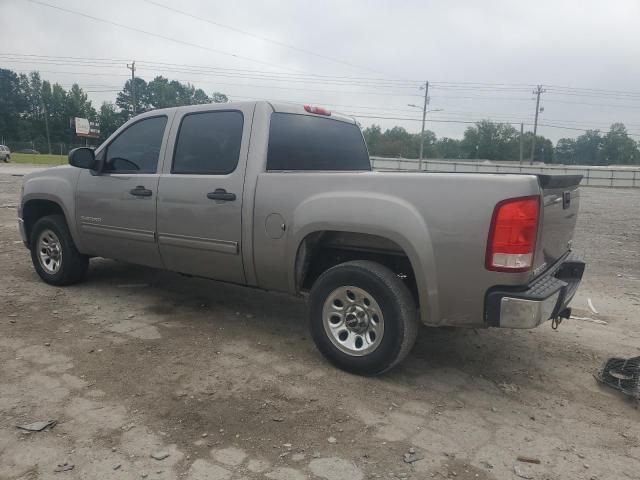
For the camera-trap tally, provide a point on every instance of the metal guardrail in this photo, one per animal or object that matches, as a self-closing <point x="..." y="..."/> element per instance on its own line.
<point x="613" y="177"/>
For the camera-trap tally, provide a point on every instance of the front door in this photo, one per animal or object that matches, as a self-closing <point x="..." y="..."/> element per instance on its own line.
<point x="200" y="193"/>
<point x="116" y="209"/>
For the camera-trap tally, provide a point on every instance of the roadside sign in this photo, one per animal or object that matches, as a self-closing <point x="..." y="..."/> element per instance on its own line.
<point x="84" y="128"/>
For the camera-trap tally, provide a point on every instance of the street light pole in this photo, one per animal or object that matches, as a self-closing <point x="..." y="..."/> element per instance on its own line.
<point x="424" y="116"/>
<point x="537" y="92"/>
<point x="132" y="67"/>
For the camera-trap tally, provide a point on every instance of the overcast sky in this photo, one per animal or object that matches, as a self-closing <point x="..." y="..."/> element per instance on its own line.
<point x="578" y="44"/>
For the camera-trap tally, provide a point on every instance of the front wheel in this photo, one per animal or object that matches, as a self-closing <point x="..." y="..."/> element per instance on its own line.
<point x="363" y="317"/>
<point x="53" y="253"/>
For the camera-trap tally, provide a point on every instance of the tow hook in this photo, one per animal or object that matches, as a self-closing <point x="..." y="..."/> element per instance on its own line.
<point x="564" y="313"/>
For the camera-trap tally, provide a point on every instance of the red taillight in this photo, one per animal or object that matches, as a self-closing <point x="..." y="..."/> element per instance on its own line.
<point x="317" y="110"/>
<point x="513" y="233"/>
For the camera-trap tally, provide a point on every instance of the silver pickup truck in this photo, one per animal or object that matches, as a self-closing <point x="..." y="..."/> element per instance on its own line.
<point x="282" y="197"/>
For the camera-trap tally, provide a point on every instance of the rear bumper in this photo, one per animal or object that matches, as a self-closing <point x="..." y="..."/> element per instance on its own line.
<point x="543" y="299"/>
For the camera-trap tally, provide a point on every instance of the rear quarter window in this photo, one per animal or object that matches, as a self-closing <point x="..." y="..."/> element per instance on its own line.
<point x="305" y="142"/>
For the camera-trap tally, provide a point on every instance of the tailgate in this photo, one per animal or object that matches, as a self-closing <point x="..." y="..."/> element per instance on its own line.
<point x="561" y="200"/>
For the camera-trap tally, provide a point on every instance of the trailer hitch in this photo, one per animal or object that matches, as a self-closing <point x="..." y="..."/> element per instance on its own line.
<point x="564" y="313"/>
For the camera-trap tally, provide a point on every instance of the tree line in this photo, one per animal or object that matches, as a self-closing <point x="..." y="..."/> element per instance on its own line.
<point x="29" y="105"/>
<point x="26" y="101"/>
<point x="488" y="140"/>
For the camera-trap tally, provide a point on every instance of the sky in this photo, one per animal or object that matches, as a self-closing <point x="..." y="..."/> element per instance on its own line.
<point x="482" y="58"/>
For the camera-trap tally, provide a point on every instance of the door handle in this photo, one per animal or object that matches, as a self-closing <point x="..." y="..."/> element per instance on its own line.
<point x="140" y="191"/>
<point x="221" y="194"/>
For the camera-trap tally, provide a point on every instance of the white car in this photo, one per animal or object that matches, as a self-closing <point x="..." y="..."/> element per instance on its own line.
<point x="5" y="153"/>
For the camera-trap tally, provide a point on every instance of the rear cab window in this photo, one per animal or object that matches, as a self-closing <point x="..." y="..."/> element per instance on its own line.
<point x="305" y="142"/>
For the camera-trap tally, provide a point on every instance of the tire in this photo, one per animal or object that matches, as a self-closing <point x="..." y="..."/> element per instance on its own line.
<point x="362" y="286"/>
<point x="50" y="235"/>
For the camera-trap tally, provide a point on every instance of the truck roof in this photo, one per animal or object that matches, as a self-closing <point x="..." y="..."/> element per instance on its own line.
<point x="284" y="107"/>
<point x="299" y="109"/>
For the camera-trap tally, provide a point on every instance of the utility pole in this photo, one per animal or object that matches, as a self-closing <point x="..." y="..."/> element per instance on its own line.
<point x="537" y="92"/>
<point x="424" y="116"/>
<point x="132" y="67"/>
<point x="521" y="141"/>
<point x="46" y="126"/>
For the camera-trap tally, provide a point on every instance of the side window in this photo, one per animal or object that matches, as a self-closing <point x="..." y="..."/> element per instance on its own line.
<point x="208" y="143"/>
<point x="136" y="150"/>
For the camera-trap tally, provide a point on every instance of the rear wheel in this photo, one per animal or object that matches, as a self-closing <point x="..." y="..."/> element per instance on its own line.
<point x="53" y="253"/>
<point x="363" y="317"/>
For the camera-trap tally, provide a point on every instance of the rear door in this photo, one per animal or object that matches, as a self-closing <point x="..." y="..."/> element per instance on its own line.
<point x="201" y="190"/>
<point x="116" y="209"/>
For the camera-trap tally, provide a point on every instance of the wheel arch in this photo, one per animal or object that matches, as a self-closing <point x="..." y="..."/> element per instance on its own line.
<point x="34" y="208"/>
<point x="320" y="249"/>
<point x="367" y="213"/>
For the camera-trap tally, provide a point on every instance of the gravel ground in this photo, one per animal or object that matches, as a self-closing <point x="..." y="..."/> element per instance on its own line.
<point x="226" y="381"/>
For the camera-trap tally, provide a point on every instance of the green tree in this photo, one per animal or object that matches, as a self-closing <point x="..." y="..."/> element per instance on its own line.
<point x="544" y="148"/>
<point x="12" y="103"/>
<point x="164" y="93"/>
<point x="397" y="142"/>
<point x="491" y="141"/>
<point x="448" y="148"/>
<point x="124" y="99"/>
<point x="566" y="151"/>
<point x="31" y="124"/>
<point x="373" y="137"/>
<point x="199" y="97"/>
<point x="618" y="148"/>
<point x="109" y="119"/>
<point x="78" y="104"/>
<point x="25" y="99"/>
<point x="218" y="97"/>
<point x="56" y="104"/>
<point x="589" y="148"/>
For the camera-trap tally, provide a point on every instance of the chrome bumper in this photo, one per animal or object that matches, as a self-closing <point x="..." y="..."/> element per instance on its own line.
<point x="543" y="299"/>
<point x="523" y="313"/>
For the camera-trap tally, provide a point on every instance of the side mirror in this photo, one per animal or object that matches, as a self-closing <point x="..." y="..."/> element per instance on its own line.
<point x="82" y="157"/>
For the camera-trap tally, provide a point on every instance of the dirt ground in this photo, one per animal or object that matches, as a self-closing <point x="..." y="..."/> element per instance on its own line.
<point x="227" y="382"/>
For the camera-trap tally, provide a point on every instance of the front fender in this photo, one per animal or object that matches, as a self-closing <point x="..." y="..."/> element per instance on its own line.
<point x="375" y="214"/>
<point x="57" y="185"/>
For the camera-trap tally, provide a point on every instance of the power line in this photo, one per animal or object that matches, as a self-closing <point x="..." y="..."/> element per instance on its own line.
<point x="451" y="86"/>
<point x="204" y="67"/>
<point x="276" y="87"/>
<point x="229" y="73"/>
<point x="157" y="35"/>
<point x="471" y="86"/>
<point x="265" y="39"/>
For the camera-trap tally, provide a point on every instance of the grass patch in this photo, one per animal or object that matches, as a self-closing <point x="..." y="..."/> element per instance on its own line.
<point x="39" y="159"/>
